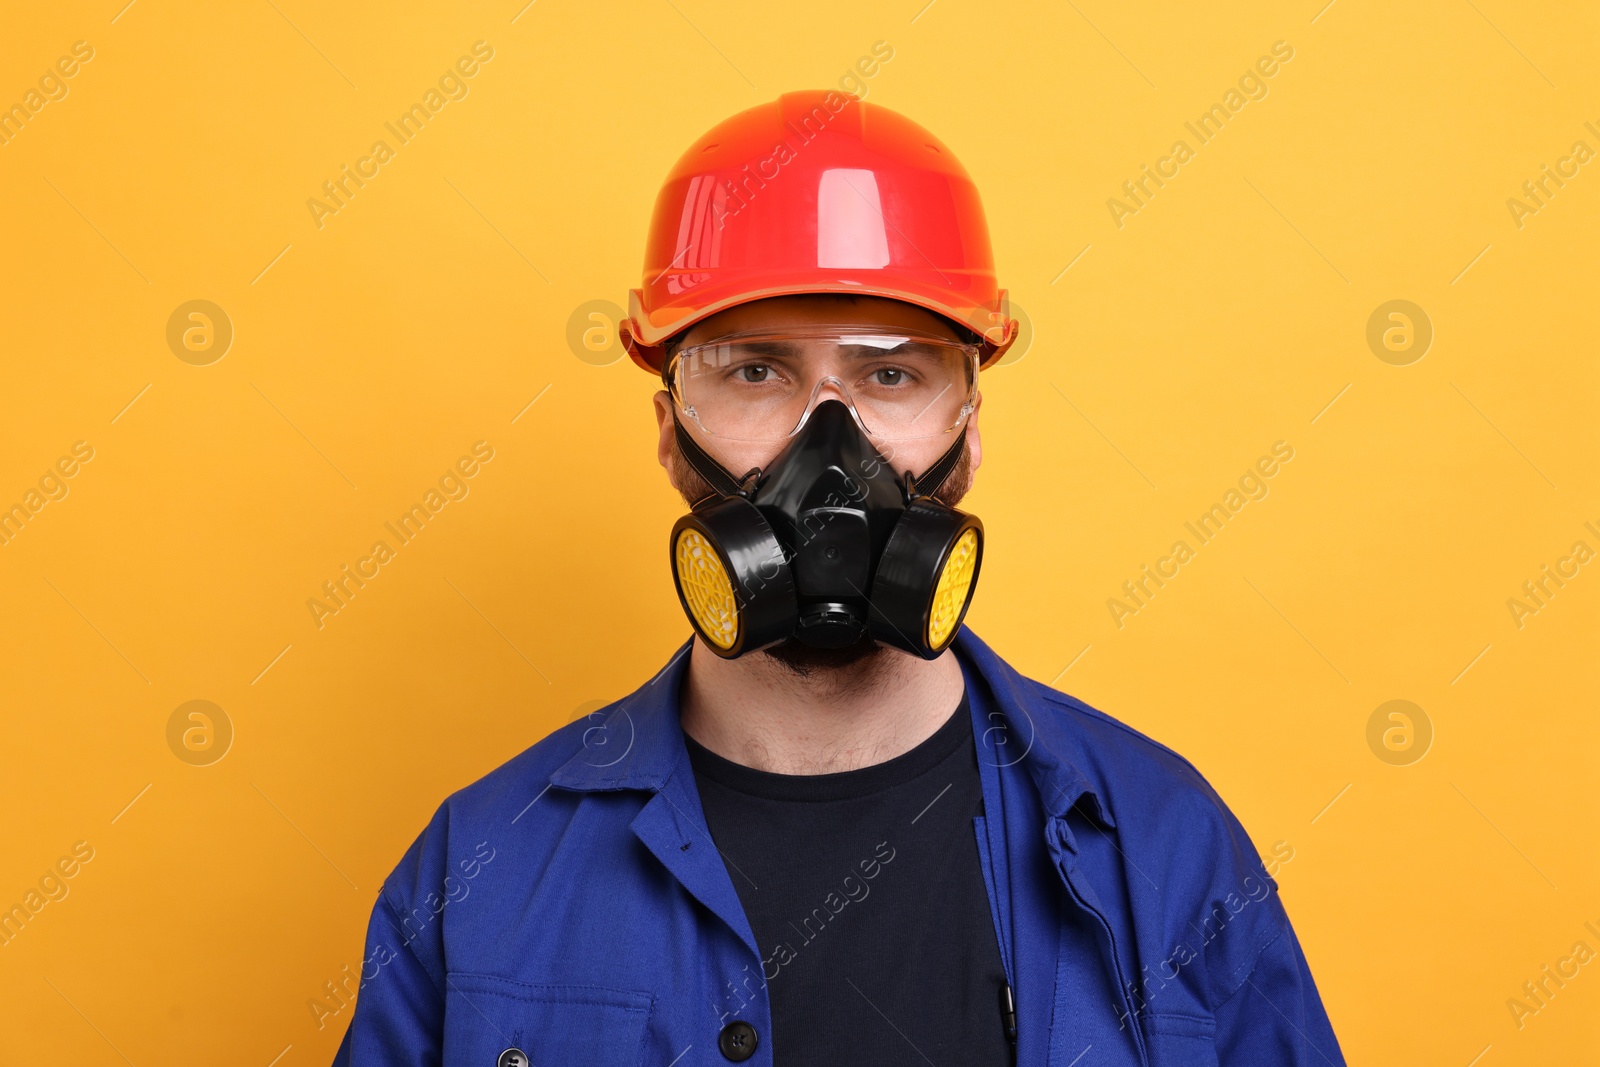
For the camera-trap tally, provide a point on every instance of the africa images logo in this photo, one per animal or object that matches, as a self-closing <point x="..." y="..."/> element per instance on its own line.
<point x="340" y="590"/>
<point x="452" y="85"/>
<point x="1252" y="486"/>
<point x="1252" y="85"/>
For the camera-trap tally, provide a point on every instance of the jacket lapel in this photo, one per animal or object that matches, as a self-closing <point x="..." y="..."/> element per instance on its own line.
<point x="637" y="744"/>
<point x="1063" y="955"/>
<point x="1070" y="986"/>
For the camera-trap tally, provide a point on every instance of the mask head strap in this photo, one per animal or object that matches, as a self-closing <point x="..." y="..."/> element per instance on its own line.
<point x="723" y="483"/>
<point x="928" y="482"/>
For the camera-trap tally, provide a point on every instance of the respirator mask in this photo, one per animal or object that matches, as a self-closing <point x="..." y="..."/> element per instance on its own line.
<point x="826" y="543"/>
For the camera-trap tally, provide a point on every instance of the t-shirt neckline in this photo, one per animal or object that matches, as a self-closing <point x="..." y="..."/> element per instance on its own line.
<point x="837" y="785"/>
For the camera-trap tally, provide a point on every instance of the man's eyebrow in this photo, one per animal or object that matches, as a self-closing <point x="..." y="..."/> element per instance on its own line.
<point x="770" y="348"/>
<point x="852" y="348"/>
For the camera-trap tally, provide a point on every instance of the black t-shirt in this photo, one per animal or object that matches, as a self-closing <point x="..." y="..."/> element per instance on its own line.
<point x="867" y="902"/>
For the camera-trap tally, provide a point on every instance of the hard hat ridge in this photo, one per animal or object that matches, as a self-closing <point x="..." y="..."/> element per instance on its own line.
<point x="815" y="192"/>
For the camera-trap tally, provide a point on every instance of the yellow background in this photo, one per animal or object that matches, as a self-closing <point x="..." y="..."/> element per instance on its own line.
<point x="1227" y="314"/>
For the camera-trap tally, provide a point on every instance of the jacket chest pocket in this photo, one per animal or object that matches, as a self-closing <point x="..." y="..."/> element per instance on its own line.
<point x="550" y="1025"/>
<point x="1181" y="1040"/>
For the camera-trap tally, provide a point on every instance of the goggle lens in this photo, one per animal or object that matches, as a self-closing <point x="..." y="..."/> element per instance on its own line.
<point x="760" y="387"/>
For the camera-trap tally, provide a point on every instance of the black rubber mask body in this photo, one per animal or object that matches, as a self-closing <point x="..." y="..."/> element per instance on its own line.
<point x="826" y="544"/>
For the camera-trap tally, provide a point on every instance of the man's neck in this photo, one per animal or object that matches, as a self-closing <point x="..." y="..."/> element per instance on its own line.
<point x="760" y="713"/>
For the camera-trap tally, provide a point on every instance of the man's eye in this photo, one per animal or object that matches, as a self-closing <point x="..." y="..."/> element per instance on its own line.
<point x="889" y="376"/>
<point x="753" y="373"/>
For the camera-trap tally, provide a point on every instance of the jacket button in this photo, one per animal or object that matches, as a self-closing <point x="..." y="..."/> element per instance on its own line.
<point x="737" y="1041"/>
<point x="512" y="1057"/>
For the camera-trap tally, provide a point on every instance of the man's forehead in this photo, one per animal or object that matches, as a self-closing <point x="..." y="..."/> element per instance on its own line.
<point x="780" y="312"/>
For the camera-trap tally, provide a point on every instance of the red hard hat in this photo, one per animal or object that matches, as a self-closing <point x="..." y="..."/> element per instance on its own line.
<point x="816" y="192"/>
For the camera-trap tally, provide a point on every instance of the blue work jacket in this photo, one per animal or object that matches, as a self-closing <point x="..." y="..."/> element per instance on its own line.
<point x="571" y="904"/>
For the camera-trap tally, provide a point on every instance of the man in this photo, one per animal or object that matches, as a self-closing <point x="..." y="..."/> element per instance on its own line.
<point x="835" y="827"/>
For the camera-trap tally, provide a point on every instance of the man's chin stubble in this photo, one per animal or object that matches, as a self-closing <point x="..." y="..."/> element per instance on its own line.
<point x="804" y="661"/>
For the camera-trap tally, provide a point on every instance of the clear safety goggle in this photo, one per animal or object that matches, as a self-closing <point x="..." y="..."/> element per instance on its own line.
<point x="761" y="386"/>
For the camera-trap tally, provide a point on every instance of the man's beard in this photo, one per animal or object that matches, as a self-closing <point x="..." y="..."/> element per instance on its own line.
<point x="800" y="658"/>
<point x="804" y="660"/>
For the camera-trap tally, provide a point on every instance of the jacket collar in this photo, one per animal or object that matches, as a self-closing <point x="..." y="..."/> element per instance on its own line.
<point x="637" y="743"/>
<point x="1033" y="732"/>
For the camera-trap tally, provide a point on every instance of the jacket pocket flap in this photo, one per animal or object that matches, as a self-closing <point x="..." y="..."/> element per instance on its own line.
<point x="486" y="1015"/>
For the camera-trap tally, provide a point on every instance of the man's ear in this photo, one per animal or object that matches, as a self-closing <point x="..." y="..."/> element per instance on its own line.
<point x="974" y="441"/>
<point x="664" y="429"/>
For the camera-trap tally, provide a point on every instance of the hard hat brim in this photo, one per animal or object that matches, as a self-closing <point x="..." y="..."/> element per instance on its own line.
<point x="645" y="339"/>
